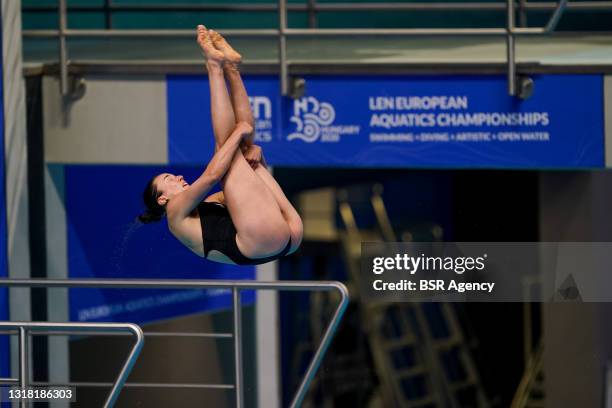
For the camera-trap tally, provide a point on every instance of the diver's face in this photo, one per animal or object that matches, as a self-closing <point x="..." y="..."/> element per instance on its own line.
<point x="168" y="185"/>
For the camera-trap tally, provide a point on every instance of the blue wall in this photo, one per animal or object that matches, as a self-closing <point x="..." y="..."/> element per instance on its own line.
<point x="106" y="241"/>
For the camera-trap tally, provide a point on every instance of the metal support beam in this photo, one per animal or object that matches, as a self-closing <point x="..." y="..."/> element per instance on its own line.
<point x="556" y="16"/>
<point x="523" y="13"/>
<point x="283" y="32"/>
<point x="63" y="47"/>
<point x="319" y="7"/>
<point x="510" y="48"/>
<point x="282" y="47"/>
<point x="24" y="368"/>
<point x="291" y="32"/>
<point x="108" y="14"/>
<point x="312" y="13"/>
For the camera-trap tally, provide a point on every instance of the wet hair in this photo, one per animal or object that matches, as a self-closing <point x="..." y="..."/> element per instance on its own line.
<point x="154" y="212"/>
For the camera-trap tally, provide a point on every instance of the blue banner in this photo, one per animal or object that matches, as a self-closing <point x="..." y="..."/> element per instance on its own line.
<point x="405" y="121"/>
<point x="105" y="240"/>
<point x="190" y="135"/>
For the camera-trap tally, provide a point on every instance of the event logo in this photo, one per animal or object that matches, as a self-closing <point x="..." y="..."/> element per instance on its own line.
<point x="314" y="119"/>
<point x="261" y="107"/>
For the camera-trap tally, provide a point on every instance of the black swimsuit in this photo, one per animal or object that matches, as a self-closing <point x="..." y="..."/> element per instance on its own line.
<point x="219" y="233"/>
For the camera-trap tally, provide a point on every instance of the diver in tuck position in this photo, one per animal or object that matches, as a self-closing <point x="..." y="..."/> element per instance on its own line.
<point x="250" y="221"/>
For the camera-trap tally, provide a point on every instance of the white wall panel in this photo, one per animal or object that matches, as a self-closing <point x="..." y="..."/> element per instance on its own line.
<point x="118" y="120"/>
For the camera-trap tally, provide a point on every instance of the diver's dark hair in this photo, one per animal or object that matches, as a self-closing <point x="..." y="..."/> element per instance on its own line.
<point x="154" y="211"/>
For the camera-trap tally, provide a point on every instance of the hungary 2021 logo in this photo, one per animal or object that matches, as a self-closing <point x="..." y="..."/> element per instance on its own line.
<point x="314" y="122"/>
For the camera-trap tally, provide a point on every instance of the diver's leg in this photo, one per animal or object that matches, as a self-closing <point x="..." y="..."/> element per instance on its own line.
<point x="290" y="214"/>
<point x="242" y="110"/>
<point x="239" y="97"/>
<point x="238" y="93"/>
<point x="261" y="229"/>
<point x="222" y="112"/>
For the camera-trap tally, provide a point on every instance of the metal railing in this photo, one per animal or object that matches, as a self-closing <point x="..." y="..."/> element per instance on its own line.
<point x="26" y="329"/>
<point x="284" y="32"/>
<point x="236" y="286"/>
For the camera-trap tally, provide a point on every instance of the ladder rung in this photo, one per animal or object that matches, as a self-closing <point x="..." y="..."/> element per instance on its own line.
<point x="463" y="384"/>
<point x="400" y="342"/>
<point x="410" y="372"/>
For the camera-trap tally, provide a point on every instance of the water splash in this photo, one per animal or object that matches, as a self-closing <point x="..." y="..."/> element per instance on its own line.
<point x="119" y="251"/>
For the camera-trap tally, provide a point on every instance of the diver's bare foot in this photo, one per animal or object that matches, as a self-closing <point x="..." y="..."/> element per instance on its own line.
<point x="212" y="54"/>
<point x="229" y="53"/>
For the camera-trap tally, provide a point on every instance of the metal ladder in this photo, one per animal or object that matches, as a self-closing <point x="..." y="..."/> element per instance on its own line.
<point x="420" y="351"/>
<point x="530" y="392"/>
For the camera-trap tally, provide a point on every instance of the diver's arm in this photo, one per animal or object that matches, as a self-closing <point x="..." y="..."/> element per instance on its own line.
<point x="184" y="203"/>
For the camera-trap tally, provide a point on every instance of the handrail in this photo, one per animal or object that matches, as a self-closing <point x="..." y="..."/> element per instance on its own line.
<point x="289" y="32"/>
<point x="146" y="334"/>
<point x="25" y="329"/>
<point x="326" y="7"/>
<point x="510" y="31"/>
<point x="236" y="286"/>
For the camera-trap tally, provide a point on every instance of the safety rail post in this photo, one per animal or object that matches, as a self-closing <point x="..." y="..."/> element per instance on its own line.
<point x="108" y="14"/>
<point x="63" y="46"/>
<point x="510" y="48"/>
<point x="24" y="367"/>
<point x="282" y="47"/>
<point x="236" y="309"/>
<point x="523" y="13"/>
<point x="312" y="13"/>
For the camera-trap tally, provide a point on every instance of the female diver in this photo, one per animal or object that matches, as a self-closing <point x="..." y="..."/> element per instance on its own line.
<point x="250" y="221"/>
